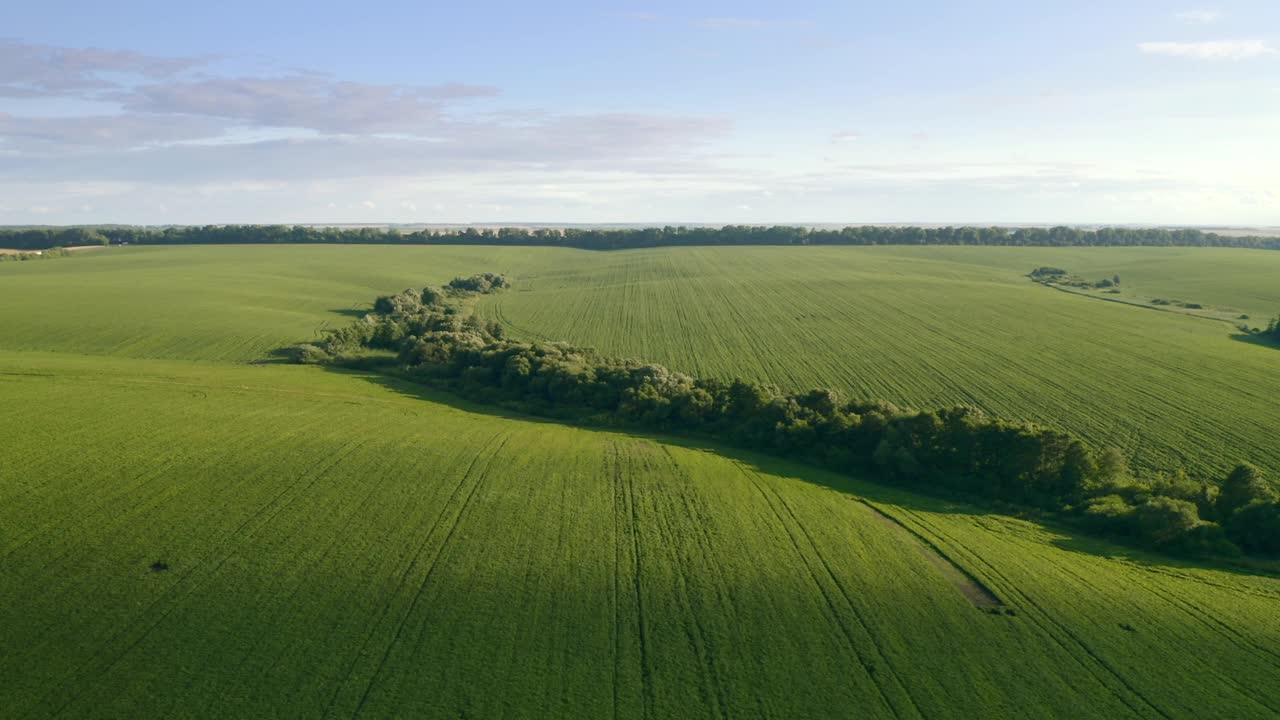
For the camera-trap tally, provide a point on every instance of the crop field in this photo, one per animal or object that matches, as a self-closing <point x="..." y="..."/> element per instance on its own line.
<point x="340" y="547"/>
<point x="214" y="303"/>
<point x="190" y="530"/>
<point x="927" y="327"/>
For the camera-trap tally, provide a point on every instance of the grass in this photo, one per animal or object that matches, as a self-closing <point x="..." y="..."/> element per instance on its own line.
<point x="927" y="327"/>
<point x="340" y="545"/>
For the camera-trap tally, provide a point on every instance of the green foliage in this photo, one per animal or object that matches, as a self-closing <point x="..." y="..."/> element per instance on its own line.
<point x="1165" y="520"/>
<point x="310" y="355"/>
<point x="1256" y="527"/>
<point x="483" y="283"/>
<point x="1110" y="513"/>
<point x="1047" y="273"/>
<point x="1244" y="485"/>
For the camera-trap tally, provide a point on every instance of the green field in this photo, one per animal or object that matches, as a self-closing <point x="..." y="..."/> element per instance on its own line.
<point x="339" y="545"/>
<point x="927" y="327"/>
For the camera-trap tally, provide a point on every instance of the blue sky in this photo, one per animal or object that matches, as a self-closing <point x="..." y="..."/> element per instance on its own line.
<point x="1141" y="111"/>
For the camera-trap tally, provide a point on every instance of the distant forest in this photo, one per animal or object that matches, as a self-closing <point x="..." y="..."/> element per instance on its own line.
<point x="620" y="239"/>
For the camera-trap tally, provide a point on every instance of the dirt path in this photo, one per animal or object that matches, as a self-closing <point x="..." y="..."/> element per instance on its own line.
<point x="976" y="592"/>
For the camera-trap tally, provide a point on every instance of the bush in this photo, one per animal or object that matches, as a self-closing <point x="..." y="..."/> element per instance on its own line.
<point x="1163" y="520"/>
<point x="310" y="355"/>
<point x="1110" y="513"/>
<point x="1256" y="527"/>
<point x="1245" y="485"/>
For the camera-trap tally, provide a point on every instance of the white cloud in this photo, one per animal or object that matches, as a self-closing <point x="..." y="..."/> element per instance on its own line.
<point x="1198" y="17"/>
<point x="1210" y="49"/>
<point x="845" y="136"/>
<point x="369" y="205"/>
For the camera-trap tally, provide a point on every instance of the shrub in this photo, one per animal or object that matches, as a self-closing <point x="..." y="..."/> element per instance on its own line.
<point x="1243" y="486"/>
<point x="1110" y="513"/>
<point x="1163" y="520"/>
<point x="1256" y="527"/>
<point x="310" y="355"/>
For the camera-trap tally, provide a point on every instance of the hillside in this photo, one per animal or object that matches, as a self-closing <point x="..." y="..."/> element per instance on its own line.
<point x="185" y="533"/>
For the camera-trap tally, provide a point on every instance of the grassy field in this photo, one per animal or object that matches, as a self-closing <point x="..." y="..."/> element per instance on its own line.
<point x="339" y="547"/>
<point x="342" y="546"/>
<point x="214" y="303"/>
<point x="927" y="327"/>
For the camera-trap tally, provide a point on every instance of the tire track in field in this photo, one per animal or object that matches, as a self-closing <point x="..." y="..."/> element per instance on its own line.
<point x="868" y="666"/>
<point x="969" y="586"/>
<point x="1052" y="628"/>
<point x="266" y="513"/>
<point x="1191" y="577"/>
<point x="1046" y="623"/>
<point x="338" y="538"/>
<point x="624" y="489"/>
<point x="615" y="480"/>
<point x="695" y="632"/>
<point x="431" y="569"/>
<point x="404" y="578"/>
<point x="1225" y="678"/>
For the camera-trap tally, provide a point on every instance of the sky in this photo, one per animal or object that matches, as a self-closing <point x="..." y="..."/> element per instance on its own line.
<point x="930" y="111"/>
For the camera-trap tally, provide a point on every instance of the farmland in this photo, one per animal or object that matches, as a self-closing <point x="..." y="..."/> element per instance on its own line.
<point x="928" y="327"/>
<point x="337" y="544"/>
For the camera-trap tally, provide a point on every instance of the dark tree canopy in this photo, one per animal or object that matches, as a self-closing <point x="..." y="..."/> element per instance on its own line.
<point x="616" y="239"/>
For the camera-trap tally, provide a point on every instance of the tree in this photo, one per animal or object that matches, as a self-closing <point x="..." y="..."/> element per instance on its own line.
<point x="1116" y="279"/>
<point x="1109" y="512"/>
<point x="1163" y="520"/>
<point x="1244" y="485"/>
<point x="1256" y="527"/>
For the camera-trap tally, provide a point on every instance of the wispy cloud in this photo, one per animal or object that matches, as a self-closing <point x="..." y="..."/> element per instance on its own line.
<point x="1210" y="49"/>
<point x="305" y="102"/>
<point x="166" y="118"/>
<point x="28" y="70"/>
<point x="1198" y="17"/>
<point x="119" y="131"/>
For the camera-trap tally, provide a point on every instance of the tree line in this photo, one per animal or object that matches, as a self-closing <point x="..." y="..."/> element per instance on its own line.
<point x="427" y="336"/>
<point x="618" y="239"/>
<point x="45" y="238"/>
